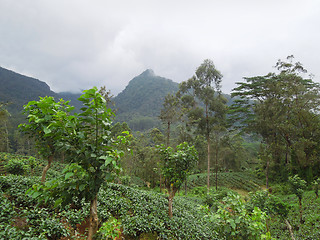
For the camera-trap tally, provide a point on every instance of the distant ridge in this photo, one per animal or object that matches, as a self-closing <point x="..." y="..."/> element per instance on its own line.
<point x="18" y="89"/>
<point x="138" y="104"/>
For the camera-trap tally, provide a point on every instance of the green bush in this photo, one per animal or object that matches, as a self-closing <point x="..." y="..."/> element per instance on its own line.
<point x="245" y="180"/>
<point x="142" y="212"/>
<point x="76" y="216"/>
<point x="15" y="188"/>
<point x="310" y="229"/>
<point x="52" y="228"/>
<point x="15" y="166"/>
<point x="109" y="229"/>
<point x="8" y="232"/>
<point x="214" y="197"/>
<point x="280" y="188"/>
<point x="235" y="221"/>
<point x="6" y="209"/>
<point x="268" y="203"/>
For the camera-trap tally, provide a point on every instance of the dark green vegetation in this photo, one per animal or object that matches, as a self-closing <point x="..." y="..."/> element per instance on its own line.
<point x="140" y="102"/>
<point x="175" y="166"/>
<point x="135" y="213"/>
<point x="18" y="89"/>
<point x="283" y="108"/>
<point x="94" y="186"/>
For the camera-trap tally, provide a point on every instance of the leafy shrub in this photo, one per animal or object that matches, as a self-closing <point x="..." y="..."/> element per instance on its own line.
<point x="280" y="188"/>
<point x="15" y="166"/>
<point x="15" y="188"/>
<point x="141" y="212"/>
<point x="297" y="185"/>
<point x="75" y="216"/>
<point x="315" y="186"/>
<point x="235" y="221"/>
<point x="8" y="232"/>
<point x="214" y="197"/>
<point x="43" y="223"/>
<point x="198" y="191"/>
<point x="39" y="223"/>
<point x="6" y="209"/>
<point x="268" y="203"/>
<point x="109" y="229"/>
<point x="310" y="229"/>
<point x="52" y="228"/>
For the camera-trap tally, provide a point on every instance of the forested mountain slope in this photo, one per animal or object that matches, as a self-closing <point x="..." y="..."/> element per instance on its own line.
<point x="140" y="102"/>
<point x="17" y="89"/>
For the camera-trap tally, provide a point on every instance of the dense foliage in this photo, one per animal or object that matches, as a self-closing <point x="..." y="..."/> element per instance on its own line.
<point x="204" y="107"/>
<point x="142" y="214"/>
<point x="283" y="109"/>
<point x="278" y="114"/>
<point x="175" y="166"/>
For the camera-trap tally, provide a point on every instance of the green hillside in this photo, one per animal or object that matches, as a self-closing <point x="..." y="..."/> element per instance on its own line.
<point x="17" y="90"/>
<point x="140" y="102"/>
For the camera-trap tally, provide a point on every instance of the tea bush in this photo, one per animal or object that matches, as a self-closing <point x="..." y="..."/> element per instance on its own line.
<point x="15" y="188"/>
<point x="141" y="211"/>
<point x="270" y="204"/>
<point x="235" y="221"/>
<point x="309" y="229"/>
<point x="15" y="166"/>
<point x="6" y="209"/>
<point x="234" y="180"/>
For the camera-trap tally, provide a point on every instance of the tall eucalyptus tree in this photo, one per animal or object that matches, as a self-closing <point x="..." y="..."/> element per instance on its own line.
<point x="203" y="104"/>
<point x="170" y="113"/>
<point x="4" y="115"/>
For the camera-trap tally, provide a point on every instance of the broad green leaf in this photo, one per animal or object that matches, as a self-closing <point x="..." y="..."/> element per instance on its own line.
<point x="36" y="194"/>
<point x="82" y="187"/>
<point x="68" y="175"/>
<point x="57" y="202"/>
<point x="46" y="130"/>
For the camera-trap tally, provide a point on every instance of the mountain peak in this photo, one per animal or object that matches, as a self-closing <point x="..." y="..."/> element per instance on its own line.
<point x="148" y="72"/>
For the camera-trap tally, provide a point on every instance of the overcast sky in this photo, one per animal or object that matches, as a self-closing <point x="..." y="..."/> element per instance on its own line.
<point x="77" y="44"/>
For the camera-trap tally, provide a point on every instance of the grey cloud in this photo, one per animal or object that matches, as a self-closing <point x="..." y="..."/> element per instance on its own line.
<point x="76" y="44"/>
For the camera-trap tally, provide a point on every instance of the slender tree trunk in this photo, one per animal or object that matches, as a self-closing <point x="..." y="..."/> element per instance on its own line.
<point x="94" y="220"/>
<point x="208" y="142"/>
<point x="208" y="170"/>
<point x="7" y="136"/>
<point x="168" y="143"/>
<point x="29" y="147"/>
<point x="290" y="229"/>
<point x="168" y="133"/>
<point x="46" y="168"/>
<point x="170" y="200"/>
<point x="267" y="173"/>
<point x="185" y="187"/>
<point x="217" y="154"/>
<point x="172" y="193"/>
<point x="300" y="207"/>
